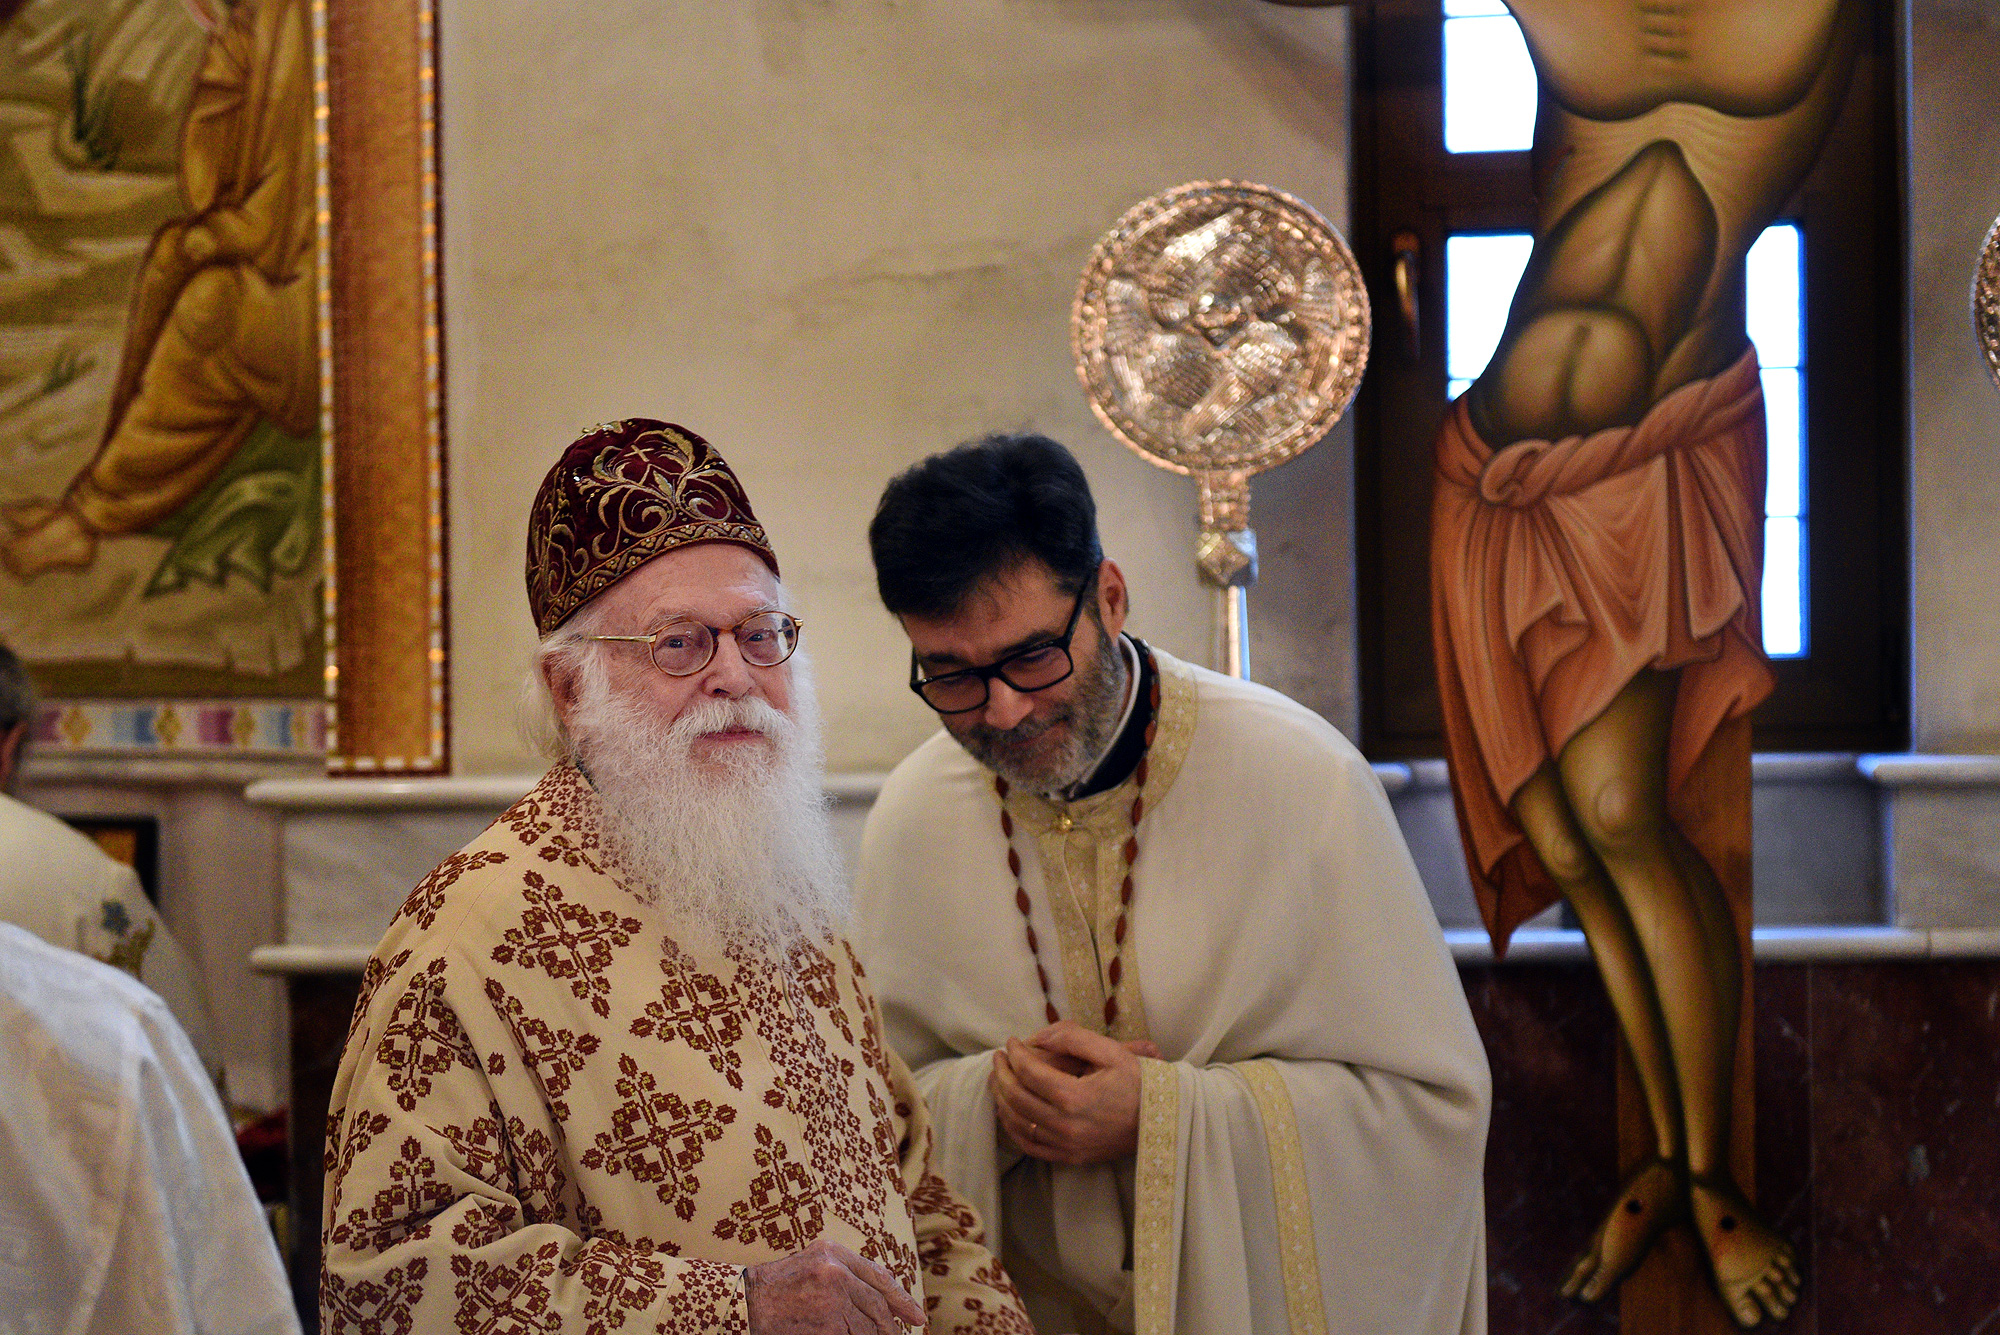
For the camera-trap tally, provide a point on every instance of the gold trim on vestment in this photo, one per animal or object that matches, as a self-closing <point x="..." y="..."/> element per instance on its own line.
<point x="1298" y="1250"/>
<point x="1085" y="909"/>
<point x="1156" y="1190"/>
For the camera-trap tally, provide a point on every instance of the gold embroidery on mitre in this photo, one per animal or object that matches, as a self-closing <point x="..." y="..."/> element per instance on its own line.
<point x="633" y="519"/>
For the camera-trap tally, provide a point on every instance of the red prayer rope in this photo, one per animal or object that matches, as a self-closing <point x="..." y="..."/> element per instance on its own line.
<point x="1115" y="972"/>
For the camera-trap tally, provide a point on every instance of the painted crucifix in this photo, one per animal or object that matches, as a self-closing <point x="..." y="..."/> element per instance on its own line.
<point x="1596" y="559"/>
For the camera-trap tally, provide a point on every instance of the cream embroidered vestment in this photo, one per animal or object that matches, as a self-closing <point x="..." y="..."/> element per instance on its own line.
<point x="554" y="1114"/>
<point x="1310" y="1150"/>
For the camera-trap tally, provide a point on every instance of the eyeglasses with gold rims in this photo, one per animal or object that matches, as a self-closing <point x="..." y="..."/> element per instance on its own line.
<point x="1035" y="668"/>
<point x="683" y="648"/>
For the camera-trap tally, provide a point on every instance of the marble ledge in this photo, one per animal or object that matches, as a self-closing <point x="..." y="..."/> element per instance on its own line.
<point x="1898" y="770"/>
<point x="1771" y="945"/>
<point x="308" y="961"/>
<point x="188" y="771"/>
<point x="1766" y="767"/>
<point x="484" y="792"/>
<point x="492" y="792"/>
<point x="1914" y="770"/>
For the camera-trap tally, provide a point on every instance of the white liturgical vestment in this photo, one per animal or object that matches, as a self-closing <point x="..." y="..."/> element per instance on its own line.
<point x="560" y="1112"/>
<point x="123" y="1202"/>
<point x="1310" y="1148"/>
<point x="65" y="889"/>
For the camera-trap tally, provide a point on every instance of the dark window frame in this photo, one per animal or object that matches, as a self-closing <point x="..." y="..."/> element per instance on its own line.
<point x="1851" y="691"/>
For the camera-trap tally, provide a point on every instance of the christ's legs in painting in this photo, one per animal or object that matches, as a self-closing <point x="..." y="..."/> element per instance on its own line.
<point x="1595" y="552"/>
<point x="1655" y="1195"/>
<point x="1661" y="930"/>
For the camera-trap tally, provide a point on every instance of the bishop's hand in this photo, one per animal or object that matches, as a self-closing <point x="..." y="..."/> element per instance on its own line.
<point x="1070" y="1096"/>
<point x="827" y="1289"/>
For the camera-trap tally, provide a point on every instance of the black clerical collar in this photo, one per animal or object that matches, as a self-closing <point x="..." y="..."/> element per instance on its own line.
<point x="1125" y="751"/>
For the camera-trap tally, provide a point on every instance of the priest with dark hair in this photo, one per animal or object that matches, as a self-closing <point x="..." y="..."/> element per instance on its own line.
<point x="1154" y="946"/>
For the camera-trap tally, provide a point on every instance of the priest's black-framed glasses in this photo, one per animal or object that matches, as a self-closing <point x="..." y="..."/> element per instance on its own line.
<point x="765" y="639"/>
<point x="1035" y="668"/>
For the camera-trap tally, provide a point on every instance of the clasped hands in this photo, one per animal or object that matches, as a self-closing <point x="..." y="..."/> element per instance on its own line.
<point x="1068" y="1095"/>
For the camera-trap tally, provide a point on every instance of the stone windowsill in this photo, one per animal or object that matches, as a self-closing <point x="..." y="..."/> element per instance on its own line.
<point x="1900" y="770"/>
<point x="1932" y="771"/>
<point x="469" y="793"/>
<point x="1773" y="945"/>
<point x="1798" y="943"/>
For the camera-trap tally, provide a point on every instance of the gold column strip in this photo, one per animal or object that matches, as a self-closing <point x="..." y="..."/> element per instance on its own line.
<point x="1298" y="1250"/>
<point x="1156" y="1214"/>
<point x="382" y="416"/>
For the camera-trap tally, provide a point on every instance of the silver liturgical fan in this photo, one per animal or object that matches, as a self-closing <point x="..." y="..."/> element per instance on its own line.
<point x="1986" y="301"/>
<point x="1221" y="329"/>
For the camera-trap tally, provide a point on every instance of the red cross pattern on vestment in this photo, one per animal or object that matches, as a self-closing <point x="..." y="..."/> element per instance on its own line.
<point x="566" y="941"/>
<point x="657" y="1137"/>
<point x="495" y="1298"/>
<point x="422" y="1039"/>
<point x="699" y="1010"/>
<point x="783" y="1208"/>
<point x="366" y="1307"/>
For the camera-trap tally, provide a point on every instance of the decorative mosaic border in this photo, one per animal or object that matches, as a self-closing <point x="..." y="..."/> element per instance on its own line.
<point x="181" y="727"/>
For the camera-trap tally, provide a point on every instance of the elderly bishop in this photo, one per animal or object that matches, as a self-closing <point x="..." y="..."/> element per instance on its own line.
<point x="614" y="1067"/>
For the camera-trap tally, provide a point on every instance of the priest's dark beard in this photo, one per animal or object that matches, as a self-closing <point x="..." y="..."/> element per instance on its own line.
<point x="1093" y="711"/>
<point x="743" y="849"/>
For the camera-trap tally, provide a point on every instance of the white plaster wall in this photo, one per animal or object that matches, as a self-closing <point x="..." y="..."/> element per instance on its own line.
<point x="833" y="237"/>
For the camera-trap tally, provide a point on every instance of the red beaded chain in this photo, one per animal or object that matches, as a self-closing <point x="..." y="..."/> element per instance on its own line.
<point x="1021" y="901"/>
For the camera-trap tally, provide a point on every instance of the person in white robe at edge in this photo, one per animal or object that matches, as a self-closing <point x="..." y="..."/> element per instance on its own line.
<point x="124" y="1206"/>
<point x="61" y="886"/>
<point x="1154" y="946"/>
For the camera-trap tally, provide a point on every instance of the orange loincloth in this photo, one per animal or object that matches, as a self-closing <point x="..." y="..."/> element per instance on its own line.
<point x="1560" y="570"/>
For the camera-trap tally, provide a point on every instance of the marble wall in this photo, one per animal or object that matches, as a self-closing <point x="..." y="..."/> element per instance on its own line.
<point x="1877" y="1090"/>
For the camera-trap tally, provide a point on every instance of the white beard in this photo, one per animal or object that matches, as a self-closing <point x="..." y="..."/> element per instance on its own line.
<point x="739" y="850"/>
